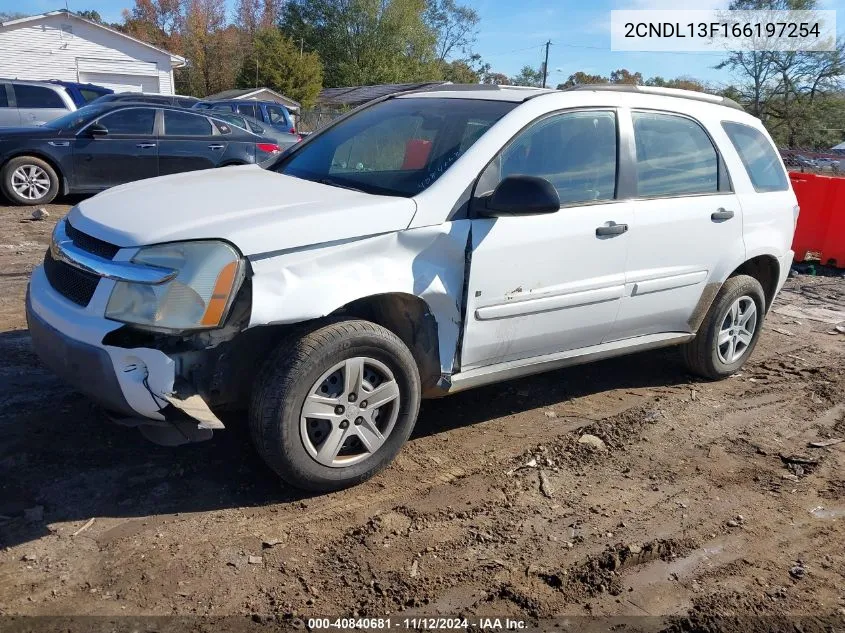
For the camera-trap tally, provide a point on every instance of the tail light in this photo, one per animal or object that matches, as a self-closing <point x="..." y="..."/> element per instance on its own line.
<point x="292" y="130"/>
<point x="270" y="148"/>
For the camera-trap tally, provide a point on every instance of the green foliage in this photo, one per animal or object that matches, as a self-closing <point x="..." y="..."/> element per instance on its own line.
<point x="363" y="42"/>
<point x="581" y="78"/>
<point x="275" y="62"/>
<point x="455" y="26"/>
<point x="91" y="14"/>
<point x="797" y="94"/>
<point x="528" y="76"/>
<point x="459" y="72"/>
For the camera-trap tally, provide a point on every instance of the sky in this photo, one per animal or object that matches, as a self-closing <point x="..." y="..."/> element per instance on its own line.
<point x="512" y="33"/>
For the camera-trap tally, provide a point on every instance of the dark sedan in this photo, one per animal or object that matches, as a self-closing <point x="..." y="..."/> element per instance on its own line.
<point x="102" y="145"/>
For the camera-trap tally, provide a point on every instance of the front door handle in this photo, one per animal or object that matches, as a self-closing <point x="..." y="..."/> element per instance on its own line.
<point x="720" y="215"/>
<point x="145" y="145"/>
<point x="216" y="146"/>
<point x="610" y="229"/>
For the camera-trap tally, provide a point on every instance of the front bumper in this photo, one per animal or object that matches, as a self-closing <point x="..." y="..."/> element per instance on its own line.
<point x="69" y="340"/>
<point x="85" y="367"/>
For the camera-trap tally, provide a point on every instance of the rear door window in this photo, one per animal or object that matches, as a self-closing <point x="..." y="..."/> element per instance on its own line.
<point x="131" y="122"/>
<point x="760" y="159"/>
<point x="675" y="157"/>
<point x="89" y="95"/>
<point x="4" y="101"/>
<point x="185" y="124"/>
<point x="277" y="115"/>
<point x="248" y="109"/>
<point x="37" y="97"/>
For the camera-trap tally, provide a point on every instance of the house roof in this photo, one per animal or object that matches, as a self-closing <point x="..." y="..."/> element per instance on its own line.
<point x="247" y="93"/>
<point x="356" y="95"/>
<point x="176" y="61"/>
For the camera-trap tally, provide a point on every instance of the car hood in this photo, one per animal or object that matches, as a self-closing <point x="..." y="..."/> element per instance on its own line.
<point x="258" y="211"/>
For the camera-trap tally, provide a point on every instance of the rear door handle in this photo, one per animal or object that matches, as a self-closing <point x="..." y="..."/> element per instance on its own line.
<point x="145" y="145"/>
<point x="216" y="146"/>
<point x="610" y="229"/>
<point x="721" y="215"/>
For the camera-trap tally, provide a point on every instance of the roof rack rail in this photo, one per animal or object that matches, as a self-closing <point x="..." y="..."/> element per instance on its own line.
<point x="666" y="92"/>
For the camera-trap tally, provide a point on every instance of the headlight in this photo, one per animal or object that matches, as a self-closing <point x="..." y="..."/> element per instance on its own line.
<point x="198" y="297"/>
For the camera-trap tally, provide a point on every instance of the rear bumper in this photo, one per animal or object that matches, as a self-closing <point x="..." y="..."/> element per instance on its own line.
<point x="785" y="267"/>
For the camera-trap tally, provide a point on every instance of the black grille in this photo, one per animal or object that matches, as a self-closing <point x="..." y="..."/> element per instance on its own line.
<point x="72" y="283"/>
<point x="90" y="244"/>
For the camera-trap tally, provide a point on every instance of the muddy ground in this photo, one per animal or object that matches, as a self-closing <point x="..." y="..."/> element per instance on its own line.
<point x="704" y="501"/>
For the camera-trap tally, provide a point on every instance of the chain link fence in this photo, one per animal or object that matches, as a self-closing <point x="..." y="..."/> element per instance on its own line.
<point x="814" y="161"/>
<point x="316" y="118"/>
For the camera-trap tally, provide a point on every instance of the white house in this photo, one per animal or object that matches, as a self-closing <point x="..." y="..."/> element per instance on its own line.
<point x="62" y="45"/>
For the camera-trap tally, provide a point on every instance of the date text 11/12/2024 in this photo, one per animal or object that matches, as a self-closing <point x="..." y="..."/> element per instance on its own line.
<point x="416" y="624"/>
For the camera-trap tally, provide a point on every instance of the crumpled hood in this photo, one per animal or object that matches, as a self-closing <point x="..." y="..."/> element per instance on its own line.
<point x="256" y="210"/>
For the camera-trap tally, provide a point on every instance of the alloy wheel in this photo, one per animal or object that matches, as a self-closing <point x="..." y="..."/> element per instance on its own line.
<point x="30" y="182"/>
<point x="349" y="412"/>
<point x="737" y="330"/>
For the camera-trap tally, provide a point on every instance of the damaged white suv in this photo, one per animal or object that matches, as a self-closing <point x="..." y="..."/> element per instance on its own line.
<point x="425" y="243"/>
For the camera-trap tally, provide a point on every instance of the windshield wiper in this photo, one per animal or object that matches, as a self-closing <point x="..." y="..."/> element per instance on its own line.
<point x="335" y="183"/>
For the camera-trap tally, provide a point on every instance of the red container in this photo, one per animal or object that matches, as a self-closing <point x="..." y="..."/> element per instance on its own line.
<point x="821" y="224"/>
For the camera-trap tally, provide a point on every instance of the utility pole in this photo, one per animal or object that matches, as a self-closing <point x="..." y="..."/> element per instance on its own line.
<point x="546" y="63"/>
<point x="301" y="45"/>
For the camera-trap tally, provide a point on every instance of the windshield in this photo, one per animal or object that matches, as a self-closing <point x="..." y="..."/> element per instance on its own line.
<point x="397" y="147"/>
<point x="74" y="120"/>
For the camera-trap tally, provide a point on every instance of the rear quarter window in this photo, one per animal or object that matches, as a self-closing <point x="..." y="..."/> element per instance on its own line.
<point x="760" y="159"/>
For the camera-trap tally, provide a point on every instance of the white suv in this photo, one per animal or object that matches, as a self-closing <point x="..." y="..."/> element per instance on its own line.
<point x="425" y="243"/>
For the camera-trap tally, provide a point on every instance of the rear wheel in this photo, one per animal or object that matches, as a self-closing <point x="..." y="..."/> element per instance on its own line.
<point x="29" y="180"/>
<point x="332" y="407"/>
<point x="730" y="330"/>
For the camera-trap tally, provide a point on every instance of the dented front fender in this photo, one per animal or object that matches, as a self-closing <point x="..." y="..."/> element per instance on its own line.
<point x="311" y="282"/>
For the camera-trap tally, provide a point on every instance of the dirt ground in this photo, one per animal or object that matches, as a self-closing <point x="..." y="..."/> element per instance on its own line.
<point x="701" y="500"/>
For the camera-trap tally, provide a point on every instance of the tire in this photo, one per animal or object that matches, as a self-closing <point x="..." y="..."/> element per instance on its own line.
<point x="45" y="183"/>
<point x="301" y="367"/>
<point x="703" y="356"/>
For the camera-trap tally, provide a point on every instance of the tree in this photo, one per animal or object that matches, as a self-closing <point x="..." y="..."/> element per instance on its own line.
<point x="91" y="14"/>
<point x="157" y="22"/>
<point x="6" y="16"/>
<point x="365" y="42"/>
<point x="496" y="79"/>
<point x="681" y="83"/>
<point x="460" y="72"/>
<point x="275" y="62"/>
<point x="623" y="76"/>
<point x="455" y="26"/>
<point x="207" y="42"/>
<point x="528" y="76"/>
<point x="581" y="78"/>
<point x="788" y="89"/>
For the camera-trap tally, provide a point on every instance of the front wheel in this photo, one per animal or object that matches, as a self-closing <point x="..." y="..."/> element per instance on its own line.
<point x="333" y="407"/>
<point x="730" y="330"/>
<point x="29" y="180"/>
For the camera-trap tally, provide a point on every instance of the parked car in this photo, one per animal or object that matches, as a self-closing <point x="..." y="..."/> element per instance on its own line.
<point x="82" y="94"/>
<point x="25" y="103"/>
<point x="424" y="244"/>
<point x="103" y="145"/>
<point x="282" y="139"/>
<point x="269" y="112"/>
<point x="827" y="164"/>
<point x="181" y="101"/>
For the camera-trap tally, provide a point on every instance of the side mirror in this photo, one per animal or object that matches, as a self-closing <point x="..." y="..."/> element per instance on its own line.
<point x="522" y="195"/>
<point x="97" y="130"/>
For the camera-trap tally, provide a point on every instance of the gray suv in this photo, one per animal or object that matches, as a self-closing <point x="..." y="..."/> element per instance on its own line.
<point x="26" y="103"/>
